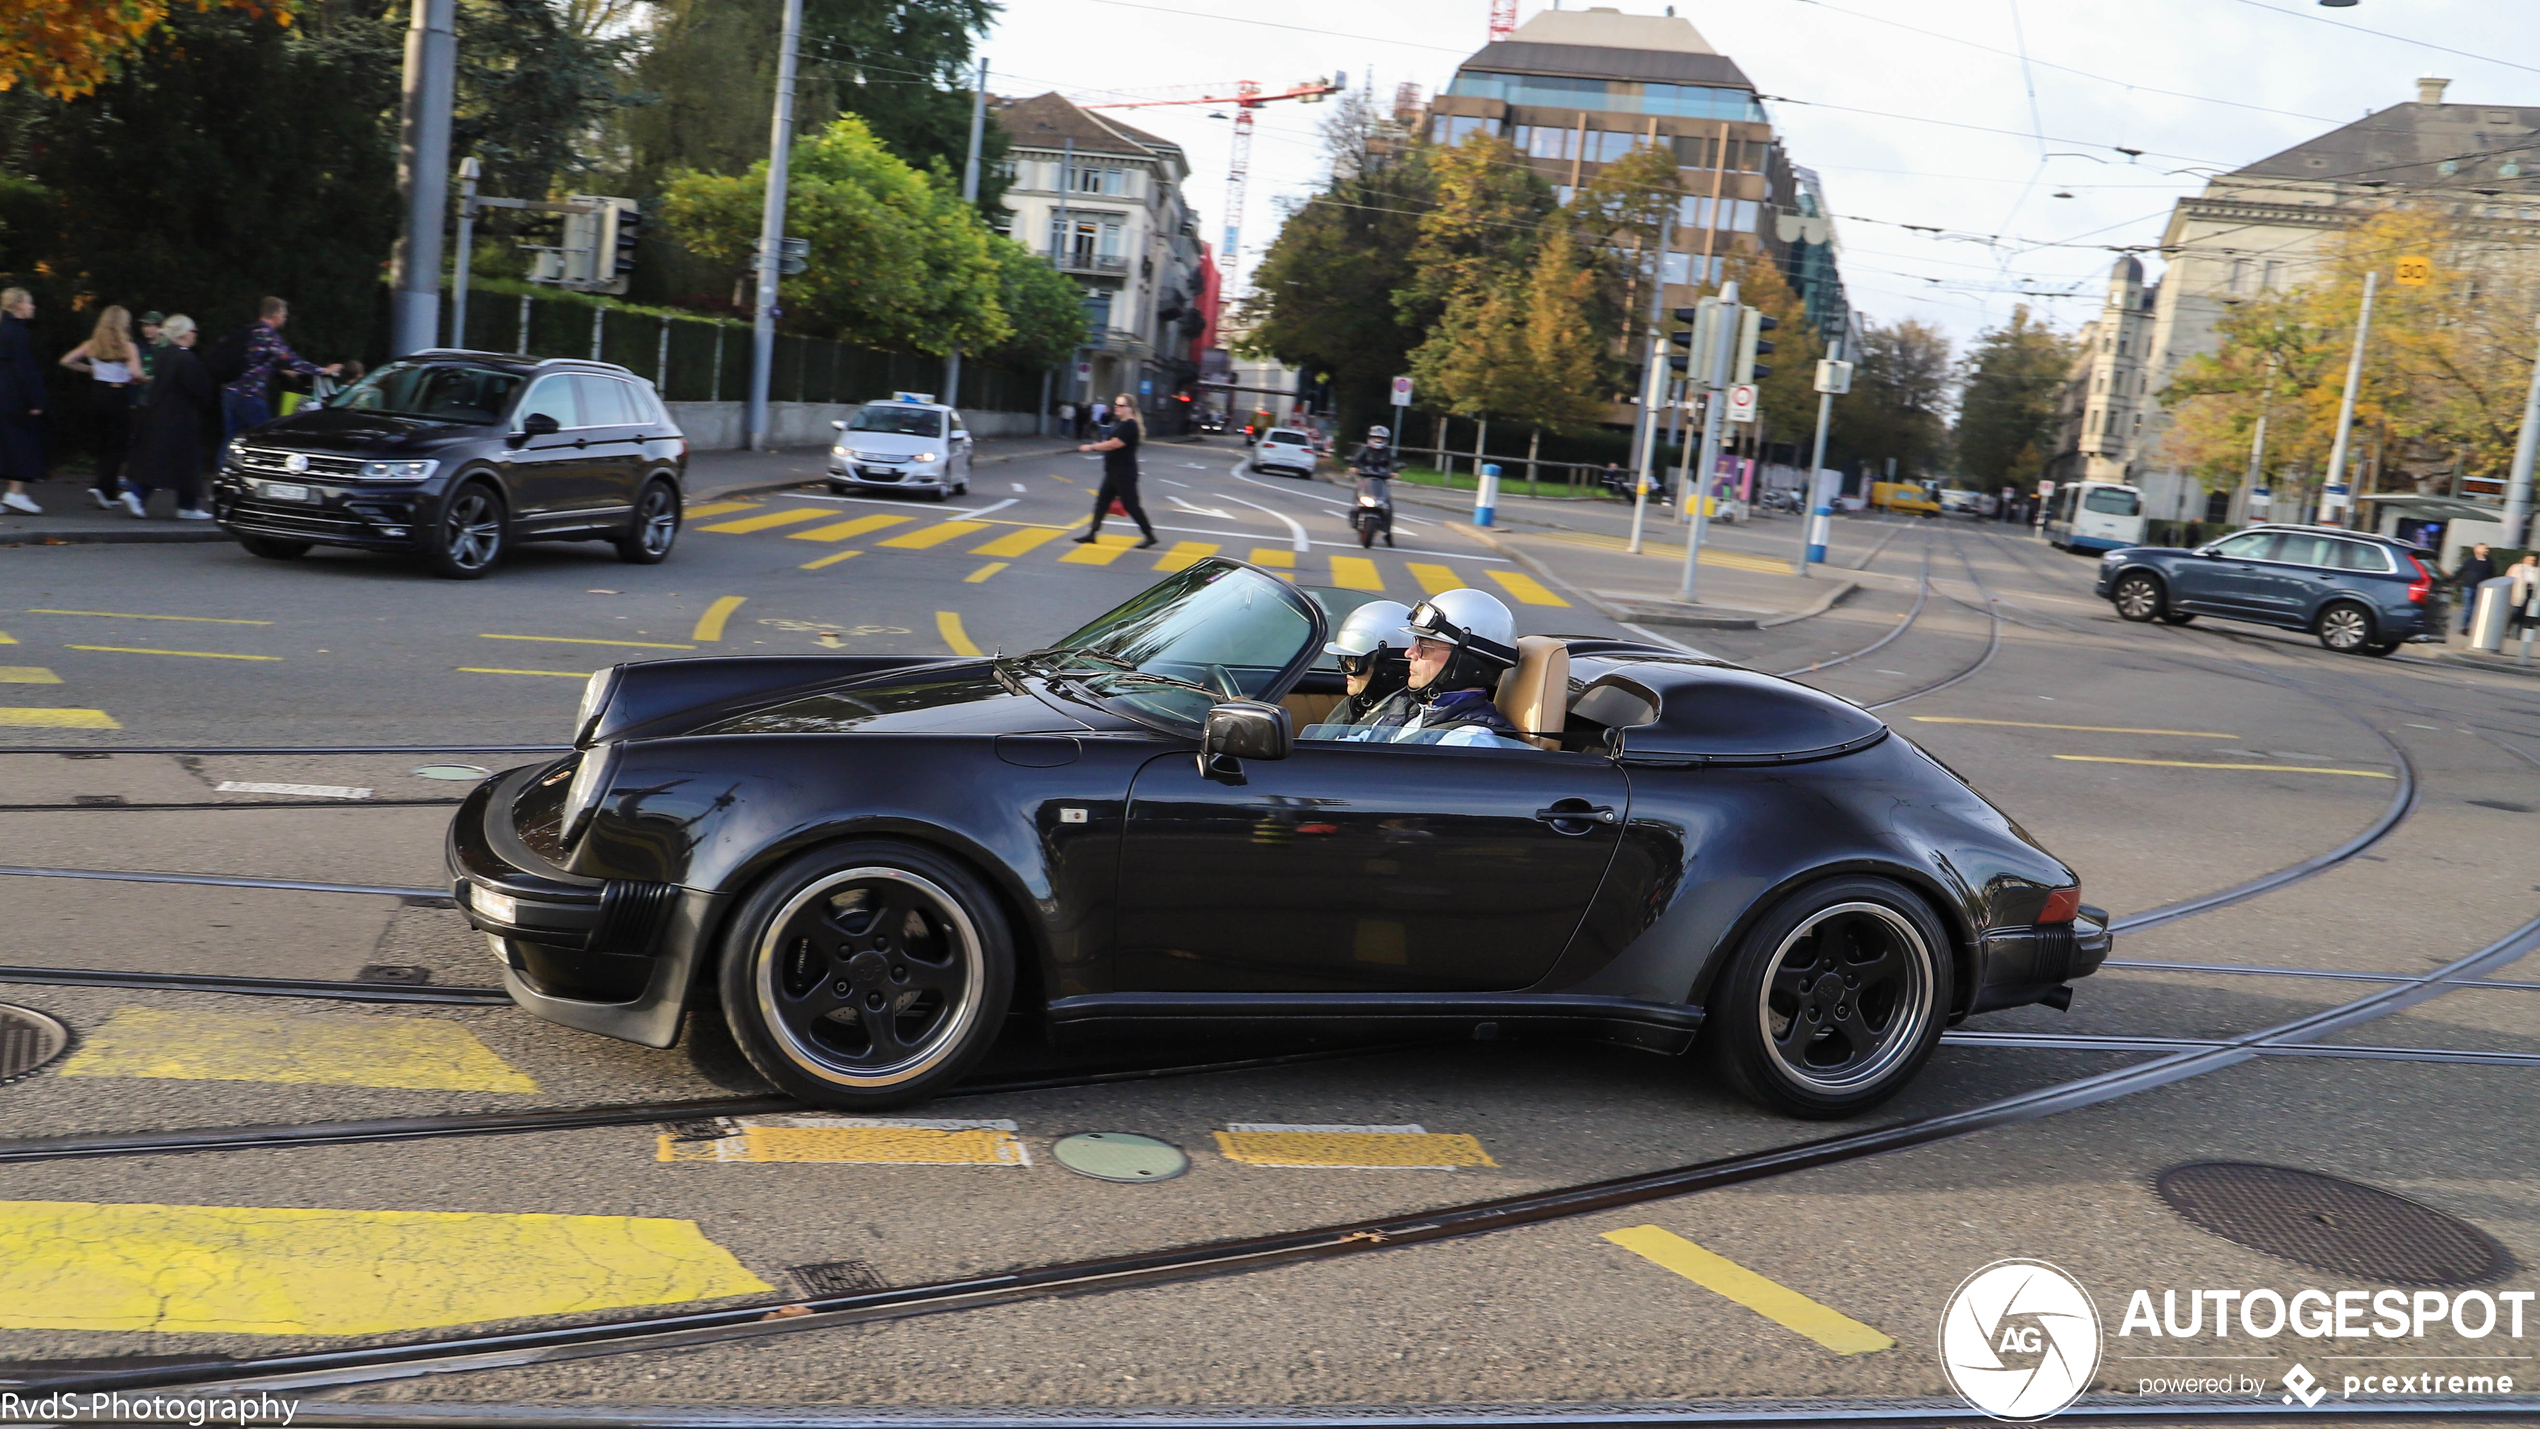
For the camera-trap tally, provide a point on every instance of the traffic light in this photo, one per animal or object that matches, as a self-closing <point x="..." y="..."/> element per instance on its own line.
<point x="1751" y="344"/>
<point x="625" y="220"/>
<point x="1698" y="338"/>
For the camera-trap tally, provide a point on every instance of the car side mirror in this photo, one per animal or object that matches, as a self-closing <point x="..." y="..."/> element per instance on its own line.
<point x="838" y="426"/>
<point x="540" y="424"/>
<point x="2209" y="553"/>
<point x="1238" y="730"/>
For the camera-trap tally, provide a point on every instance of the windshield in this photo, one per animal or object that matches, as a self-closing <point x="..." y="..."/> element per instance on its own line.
<point x="898" y="421"/>
<point x="438" y="391"/>
<point x="2112" y="501"/>
<point x="1216" y="630"/>
<point x="1294" y="439"/>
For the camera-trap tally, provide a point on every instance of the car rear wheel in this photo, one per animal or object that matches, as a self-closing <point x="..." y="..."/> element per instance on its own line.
<point x="653" y="527"/>
<point x="273" y="548"/>
<point x="867" y="974"/>
<point x="1834" y="1000"/>
<point x="2346" y="628"/>
<point x="2138" y="597"/>
<point x="2382" y="647"/>
<point x="472" y="534"/>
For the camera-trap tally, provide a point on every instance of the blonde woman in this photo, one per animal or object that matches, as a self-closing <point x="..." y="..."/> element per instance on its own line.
<point x="1119" y="471"/>
<point x="21" y="402"/>
<point x="110" y="358"/>
<point x="168" y="449"/>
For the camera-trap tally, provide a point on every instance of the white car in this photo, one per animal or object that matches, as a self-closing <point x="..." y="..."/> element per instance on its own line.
<point x="1284" y="450"/>
<point x="910" y="443"/>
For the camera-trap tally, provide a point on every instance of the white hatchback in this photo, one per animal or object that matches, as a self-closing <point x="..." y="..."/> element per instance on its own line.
<point x="1284" y="449"/>
<point x="909" y="443"/>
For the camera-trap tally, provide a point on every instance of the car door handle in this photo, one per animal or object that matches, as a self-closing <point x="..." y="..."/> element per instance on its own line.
<point x="1575" y="811"/>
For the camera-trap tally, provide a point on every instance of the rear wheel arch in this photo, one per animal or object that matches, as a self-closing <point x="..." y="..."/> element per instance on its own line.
<point x="1951" y="913"/>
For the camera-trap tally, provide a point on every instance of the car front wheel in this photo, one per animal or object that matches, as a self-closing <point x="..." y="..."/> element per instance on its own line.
<point x="867" y="974"/>
<point x="1834" y="1000"/>
<point x="652" y="528"/>
<point x="2346" y="628"/>
<point x="471" y="535"/>
<point x="2138" y="597"/>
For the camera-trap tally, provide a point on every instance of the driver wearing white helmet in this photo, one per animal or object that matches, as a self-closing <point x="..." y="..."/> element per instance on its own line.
<point x="1374" y="649"/>
<point x="1464" y="640"/>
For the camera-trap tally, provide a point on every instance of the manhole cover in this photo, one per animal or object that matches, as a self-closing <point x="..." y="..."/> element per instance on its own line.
<point x="1120" y="1156"/>
<point x="28" y="1040"/>
<point x="2329" y="1224"/>
<point x="457" y="773"/>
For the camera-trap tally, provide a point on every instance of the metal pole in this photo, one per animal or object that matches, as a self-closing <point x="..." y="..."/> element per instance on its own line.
<point x="771" y="229"/>
<point x="1654" y="392"/>
<point x="2257" y="467"/>
<point x="1724" y="326"/>
<point x="969" y="195"/>
<point x="469" y="171"/>
<point x="423" y="177"/>
<point x="1647" y="443"/>
<point x="2518" y="487"/>
<point x="2333" y="490"/>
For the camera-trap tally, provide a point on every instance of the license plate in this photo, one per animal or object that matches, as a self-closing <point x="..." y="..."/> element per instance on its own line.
<point x="285" y="491"/>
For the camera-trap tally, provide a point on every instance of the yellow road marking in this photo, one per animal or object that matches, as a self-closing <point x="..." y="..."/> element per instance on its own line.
<point x="23" y="718"/>
<point x="578" y="640"/>
<point x="1526" y="588"/>
<point x="991" y="568"/>
<point x="710" y="624"/>
<point x="855" y="1140"/>
<point x="1276" y="557"/>
<point x="1740" y="561"/>
<point x="27" y="675"/>
<point x="831" y="560"/>
<point x="2078" y="728"/>
<point x="1365" y="1148"/>
<point x="417" y="1053"/>
<point x="1775" y="1302"/>
<point x="844" y="529"/>
<point x="719" y="508"/>
<point x="2194" y="764"/>
<point x="1356" y="573"/>
<point x="1184" y="553"/>
<point x="128" y="615"/>
<point x="192" y="654"/>
<point x="948" y="625"/>
<point x="560" y="674"/>
<point x="1432" y="578"/>
<point x="1102" y="552"/>
<point x="7" y="639"/>
<point x="773" y="519"/>
<point x="1019" y="543"/>
<point x="246" y="1270"/>
<point x="935" y="535"/>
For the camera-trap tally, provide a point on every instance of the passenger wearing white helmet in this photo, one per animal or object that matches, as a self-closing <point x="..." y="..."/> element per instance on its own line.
<point x="1374" y="649"/>
<point x="1464" y="640"/>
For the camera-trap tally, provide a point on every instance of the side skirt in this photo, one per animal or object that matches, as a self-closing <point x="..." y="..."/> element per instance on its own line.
<point x="1666" y="1028"/>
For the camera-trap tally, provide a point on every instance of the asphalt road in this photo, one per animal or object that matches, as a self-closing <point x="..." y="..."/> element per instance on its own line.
<point x="2163" y="763"/>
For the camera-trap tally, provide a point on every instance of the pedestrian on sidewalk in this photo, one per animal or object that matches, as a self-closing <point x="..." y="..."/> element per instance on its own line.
<point x="258" y="350"/>
<point x="21" y="401"/>
<point x="1119" y="472"/>
<point x="167" y="447"/>
<point x="113" y="365"/>
<point x="2477" y="566"/>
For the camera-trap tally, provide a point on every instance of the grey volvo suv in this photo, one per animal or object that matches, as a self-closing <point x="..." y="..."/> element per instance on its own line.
<point x="2361" y="594"/>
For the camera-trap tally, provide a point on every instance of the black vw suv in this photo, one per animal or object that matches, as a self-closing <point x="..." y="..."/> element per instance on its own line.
<point x="456" y="455"/>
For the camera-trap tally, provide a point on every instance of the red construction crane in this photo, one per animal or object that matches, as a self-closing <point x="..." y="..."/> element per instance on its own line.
<point x="1246" y="96"/>
<point x="1503" y="18"/>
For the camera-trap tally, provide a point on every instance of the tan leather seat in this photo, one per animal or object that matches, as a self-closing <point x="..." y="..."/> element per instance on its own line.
<point x="1535" y="695"/>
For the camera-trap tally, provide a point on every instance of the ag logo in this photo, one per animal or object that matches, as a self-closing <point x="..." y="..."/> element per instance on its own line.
<point x="296" y="463"/>
<point x="2020" y="1340"/>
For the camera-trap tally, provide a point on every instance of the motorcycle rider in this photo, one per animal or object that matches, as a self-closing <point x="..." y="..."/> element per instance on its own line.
<point x="1374" y="648"/>
<point x="1374" y="464"/>
<point x="1465" y="640"/>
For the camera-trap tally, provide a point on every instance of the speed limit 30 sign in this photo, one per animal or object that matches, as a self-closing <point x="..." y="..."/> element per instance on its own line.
<point x="1742" y="402"/>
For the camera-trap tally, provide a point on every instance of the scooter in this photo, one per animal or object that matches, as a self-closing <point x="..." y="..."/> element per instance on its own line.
<point x="1373" y="515"/>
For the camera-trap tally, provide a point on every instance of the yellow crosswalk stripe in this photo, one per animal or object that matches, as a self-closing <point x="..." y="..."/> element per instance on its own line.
<point x="1356" y="573"/>
<point x="7" y="639"/>
<point x="1278" y="558"/>
<point x="935" y="535"/>
<point x="1102" y="552"/>
<point x="23" y="718"/>
<point x="413" y="1053"/>
<point x="844" y="529"/>
<point x="27" y="675"/>
<point x="792" y="515"/>
<point x="1433" y="578"/>
<point x="1356" y="1148"/>
<point x="1526" y="588"/>
<point x="719" y="508"/>
<point x="1775" y="1302"/>
<point x="856" y="1140"/>
<point x="991" y="568"/>
<point x="1185" y="553"/>
<point x="956" y="639"/>
<point x="830" y="560"/>
<point x="1019" y="543"/>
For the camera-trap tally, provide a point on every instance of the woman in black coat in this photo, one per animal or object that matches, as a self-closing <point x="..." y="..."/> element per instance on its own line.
<point x="21" y="402"/>
<point x="167" y="446"/>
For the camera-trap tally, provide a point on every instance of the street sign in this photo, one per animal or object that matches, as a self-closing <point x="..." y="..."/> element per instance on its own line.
<point x="1833" y="377"/>
<point x="1402" y="391"/>
<point x="1742" y="402"/>
<point x="2415" y="270"/>
<point x="1146" y="386"/>
<point x="1084" y="371"/>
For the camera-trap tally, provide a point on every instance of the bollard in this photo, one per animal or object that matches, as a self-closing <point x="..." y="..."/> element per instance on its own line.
<point x="1820" y="521"/>
<point x="1486" y="494"/>
<point x="2493" y="604"/>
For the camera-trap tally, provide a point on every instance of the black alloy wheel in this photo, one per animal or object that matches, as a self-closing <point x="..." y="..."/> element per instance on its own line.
<point x="1834" y="1001"/>
<point x="2346" y="628"/>
<point x="867" y="975"/>
<point x="2138" y="597"/>
<point x="652" y="528"/>
<point x="471" y="536"/>
<point x="273" y="548"/>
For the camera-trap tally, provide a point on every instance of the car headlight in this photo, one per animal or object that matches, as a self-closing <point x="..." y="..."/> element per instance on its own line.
<point x="582" y="797"/>
<point x="840" y="451"/>
<point x="926" y="456"/>
<point x="237" y="448"/>
<point x="398" y="470"/>
<point x="2113" y="556"/>
<point x="596" y="693"/>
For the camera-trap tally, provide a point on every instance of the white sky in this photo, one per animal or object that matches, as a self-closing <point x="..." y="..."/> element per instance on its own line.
<point x="2289" y="68"/>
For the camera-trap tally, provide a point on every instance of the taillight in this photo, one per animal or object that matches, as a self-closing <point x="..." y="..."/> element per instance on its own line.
<point x="2420" y="589"/>
<point x="2061" y="906"/>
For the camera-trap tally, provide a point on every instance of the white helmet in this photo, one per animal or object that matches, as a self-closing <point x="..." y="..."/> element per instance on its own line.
<point x="1472" y="621"/>
<point x="1378" y="433"/>
<point x="1371" y="627"/>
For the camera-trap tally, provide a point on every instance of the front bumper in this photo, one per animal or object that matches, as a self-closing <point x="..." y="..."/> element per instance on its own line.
<point x="611" y="956"/>
<point x="374" y="515"/>
<point x="932" y="476"/>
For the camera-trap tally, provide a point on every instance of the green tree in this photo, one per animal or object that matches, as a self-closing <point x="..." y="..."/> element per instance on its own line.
<point x="1621" y="213"/>
<point x="1484" y="217"/>
<point x="1323" y="297"/>
<point x="1899" y="404"/>
<point x="897" y="259"/>
<point x="1786" y="402"/>
<point x="1568" y="359"/>
<point x="531" y="89"/>
<point x="1047" y="311"/>
<point x="2010" y="383"/>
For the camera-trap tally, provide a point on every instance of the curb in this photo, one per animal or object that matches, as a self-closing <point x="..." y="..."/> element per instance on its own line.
<point x="2492" y="664"/>
<point x="138" y="537"/>
<point x="1627" y="610"/>
<point x="1541" y="571"/>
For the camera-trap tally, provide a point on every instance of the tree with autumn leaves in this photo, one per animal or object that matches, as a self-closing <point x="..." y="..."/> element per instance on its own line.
<point x="67" y="48"/>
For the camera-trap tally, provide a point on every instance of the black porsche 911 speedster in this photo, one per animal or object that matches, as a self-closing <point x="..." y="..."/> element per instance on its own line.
<point x="873" y="862"/>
